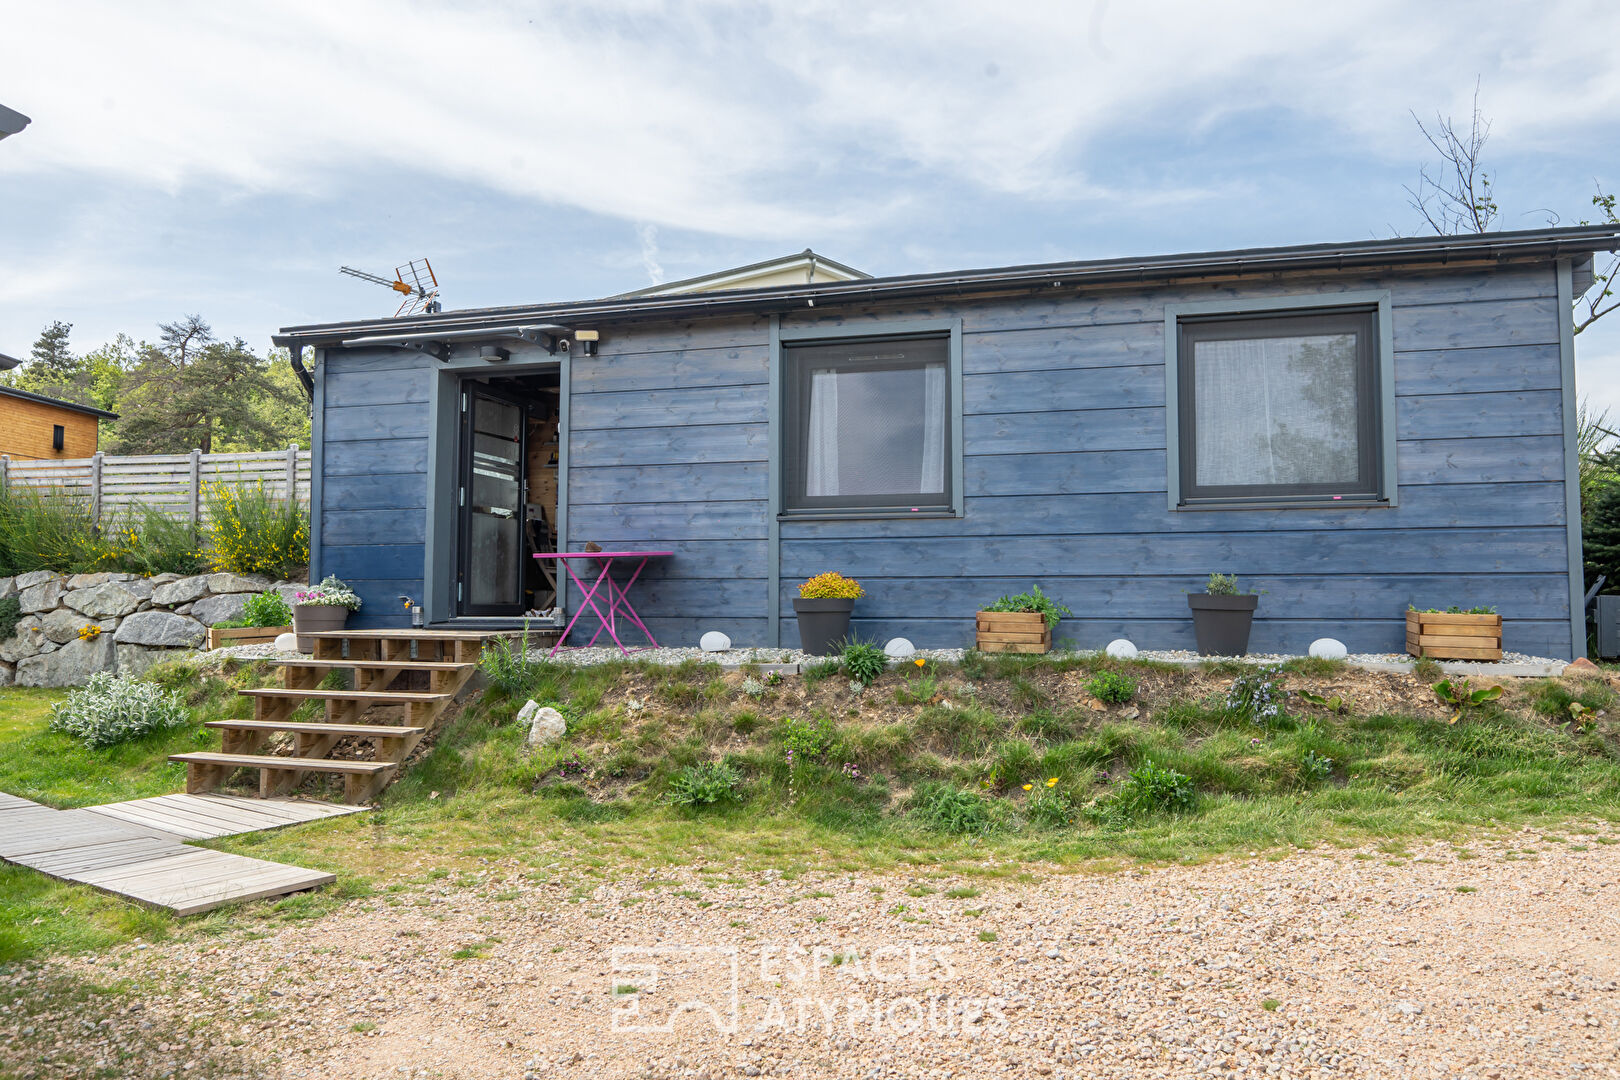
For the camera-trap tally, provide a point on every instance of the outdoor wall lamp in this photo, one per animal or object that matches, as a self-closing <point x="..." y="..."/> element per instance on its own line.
<point x="587" y="341"/>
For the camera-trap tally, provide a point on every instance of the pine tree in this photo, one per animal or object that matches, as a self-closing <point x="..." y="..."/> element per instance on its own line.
<point x="51" y="357"/>
<point x="1601" y="537"/>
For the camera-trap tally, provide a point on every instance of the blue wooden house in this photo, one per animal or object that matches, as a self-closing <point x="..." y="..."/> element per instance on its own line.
<point x="1350" y="428"/>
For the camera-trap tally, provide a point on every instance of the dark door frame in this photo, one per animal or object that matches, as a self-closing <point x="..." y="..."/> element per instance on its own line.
<point x="471" y="391"/>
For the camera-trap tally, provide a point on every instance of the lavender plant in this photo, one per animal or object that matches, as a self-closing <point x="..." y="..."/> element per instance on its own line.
<point x="1257" y="696"/>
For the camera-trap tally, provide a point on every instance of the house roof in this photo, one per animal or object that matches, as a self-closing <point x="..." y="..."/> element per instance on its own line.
<point x="1400" y="252"/>
<point x="814" y="266"/>
<point x="72" y="406"/>
<point x="8" y="362"/>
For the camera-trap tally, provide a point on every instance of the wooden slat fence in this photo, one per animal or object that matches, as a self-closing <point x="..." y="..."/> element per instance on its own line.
<point x="173" y="483"/>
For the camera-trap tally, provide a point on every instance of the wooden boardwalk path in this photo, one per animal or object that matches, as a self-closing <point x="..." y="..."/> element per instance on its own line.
<point x="135" y="849"/>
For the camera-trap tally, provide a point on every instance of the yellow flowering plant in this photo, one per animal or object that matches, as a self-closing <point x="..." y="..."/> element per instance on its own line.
<point x="831" y="586"/>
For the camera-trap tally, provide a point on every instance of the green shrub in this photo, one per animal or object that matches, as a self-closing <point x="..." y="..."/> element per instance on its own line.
<point x="1257" y="695"/>
<point x="1049" y="808"/>
<point x="505" y="663"/>
<point x="250" y="531"/>
<point x="268" y="608"/>
<point x="863" y="661"/>
<point x="705" y="784"/>
<point x="1033" y="602"/>
<point x="1221" y="585"/>
<point x="808" y="740"/>
<point x="947" y="808"/>
<point x="110" y="710"/>
<point x="1149" y="788"/>
<point x="1314" y="767"/>
<point x="47" y="530"/>
<point x="1111" y="687"/>
<point x="10" y="615"/>
<point x="148" y="541"/>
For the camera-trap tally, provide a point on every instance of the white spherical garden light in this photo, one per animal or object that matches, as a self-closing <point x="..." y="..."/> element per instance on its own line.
<point x="1121" y="649"/>
<point x="714" y="641"/>
<point x="1328" y="649"/>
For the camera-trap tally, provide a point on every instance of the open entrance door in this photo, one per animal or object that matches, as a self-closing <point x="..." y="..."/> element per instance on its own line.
<point x="492" y="483"/>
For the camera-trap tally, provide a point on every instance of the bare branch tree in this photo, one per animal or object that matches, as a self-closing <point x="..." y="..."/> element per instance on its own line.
<point x="1599" y="300"/>
<point x="1456" y="196"/>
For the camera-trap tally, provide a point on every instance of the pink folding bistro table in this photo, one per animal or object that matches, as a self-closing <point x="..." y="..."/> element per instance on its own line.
<point x="618" y="596"/>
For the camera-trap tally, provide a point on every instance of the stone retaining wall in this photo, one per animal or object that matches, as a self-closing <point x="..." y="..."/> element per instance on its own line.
<point x="140" y="621"/>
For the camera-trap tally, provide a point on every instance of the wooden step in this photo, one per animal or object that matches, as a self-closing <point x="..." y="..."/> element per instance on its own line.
<point x="383" y="697"/>
<point x="277" y="775"/>
<point x="271" y="761"/>
<point x="317" y="727"/>
<point x="413" y="635"/>
<point x="392" y="665"/>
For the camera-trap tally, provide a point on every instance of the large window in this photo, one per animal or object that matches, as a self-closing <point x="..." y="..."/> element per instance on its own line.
<point x="866" y="425"/>
<point x="1279" y="408"/>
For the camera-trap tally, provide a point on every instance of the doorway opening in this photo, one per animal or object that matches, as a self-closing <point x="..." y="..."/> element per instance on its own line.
<point x="507" y="497"/>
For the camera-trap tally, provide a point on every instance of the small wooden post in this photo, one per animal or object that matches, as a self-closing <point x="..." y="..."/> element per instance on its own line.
<point x="5" y="472"/>
<point x="95" y="488"/>
<point x="196" y="488"/>
<point x="292" y="473"/>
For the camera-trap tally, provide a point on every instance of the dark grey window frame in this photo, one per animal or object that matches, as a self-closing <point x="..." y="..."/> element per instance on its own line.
<point x="784" y="338"/>
<point x="1377" y="400"/>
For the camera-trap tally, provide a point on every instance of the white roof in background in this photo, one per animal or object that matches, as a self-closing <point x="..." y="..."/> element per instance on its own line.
<point x="788" y="268"/>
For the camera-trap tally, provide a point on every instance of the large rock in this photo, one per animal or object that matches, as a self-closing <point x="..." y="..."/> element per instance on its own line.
<point x="546" y="725"/>
<point x="71" y="665"/>
<point x="183" y="591"/>
<point x="217" y="609"/>
<point x="46" y="596"/>
<point x="63" y="625"/>
<point x="28" y="639"/>
<point x="164" y="578"/>
<point x="111" y="600"/>
<point x="8" y="674"/>
<point x="8" y="585"/>
<point x="141" y="587"/>
<point x="160" y="628"/>
<point x="86" y="581"/>
<point x="227" y="583"/>
<point x="135" y="660"/>
<point x="32" y="578"/>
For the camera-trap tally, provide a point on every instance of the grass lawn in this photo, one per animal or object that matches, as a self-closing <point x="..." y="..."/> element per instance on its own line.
<point x="1002" y="766"/>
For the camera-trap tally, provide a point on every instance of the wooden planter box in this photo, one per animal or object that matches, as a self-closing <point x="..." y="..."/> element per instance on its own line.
<point x="220" y="637"/>
<point x="1013" y="631"/>
<point x="1445" y="636"/>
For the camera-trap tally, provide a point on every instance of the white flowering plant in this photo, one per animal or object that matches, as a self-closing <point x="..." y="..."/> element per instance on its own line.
<point x="111" y="710"/>
<point x="329" y="593"/>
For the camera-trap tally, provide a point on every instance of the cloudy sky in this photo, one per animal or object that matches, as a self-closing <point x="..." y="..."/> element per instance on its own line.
<point x="225" y="159"/>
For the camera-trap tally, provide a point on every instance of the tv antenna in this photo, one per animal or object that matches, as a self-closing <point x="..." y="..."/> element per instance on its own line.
<point x="414" y="280"/>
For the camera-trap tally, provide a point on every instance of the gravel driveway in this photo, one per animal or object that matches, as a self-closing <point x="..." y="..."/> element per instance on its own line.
<point x="1504" y="964"/>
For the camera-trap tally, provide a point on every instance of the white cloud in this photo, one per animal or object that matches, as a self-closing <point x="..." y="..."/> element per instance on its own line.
<point x="740" y="118"/>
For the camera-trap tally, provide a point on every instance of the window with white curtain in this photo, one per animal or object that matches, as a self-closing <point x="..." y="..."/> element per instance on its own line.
<point x="866" y="425"/>
<point x="1279" y="408"/>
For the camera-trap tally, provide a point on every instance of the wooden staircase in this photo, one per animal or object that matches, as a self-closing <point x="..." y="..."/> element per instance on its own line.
<point x="443" y="659"/>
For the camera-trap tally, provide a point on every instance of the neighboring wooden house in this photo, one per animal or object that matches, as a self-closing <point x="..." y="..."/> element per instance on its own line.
<point x="33" y="426"/>
<point x="1351" y="428"/>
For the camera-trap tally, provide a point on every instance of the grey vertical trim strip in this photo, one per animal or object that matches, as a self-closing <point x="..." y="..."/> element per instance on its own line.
<point x="955" y="375"/>
<point x="439" y="552"/>
<point x="564" y="375"/>
<point x="1572" y="459"/>
<point x="773" y="497"/>
<point x="1390" y="488"/>
<point x="1172" y="404"/>
<point x="317" y="459"/>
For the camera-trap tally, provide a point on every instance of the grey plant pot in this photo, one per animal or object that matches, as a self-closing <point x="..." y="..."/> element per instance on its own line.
<point x="1221" y="624"/>
<point x="823" y="623"/>
<point x="317" y="619"/>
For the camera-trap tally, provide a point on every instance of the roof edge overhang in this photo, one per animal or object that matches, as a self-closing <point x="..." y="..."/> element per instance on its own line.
<point x="1397" y="253"/>
<point x="41" y="399"/>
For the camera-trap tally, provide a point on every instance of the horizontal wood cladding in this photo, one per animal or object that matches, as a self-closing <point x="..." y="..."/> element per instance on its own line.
<point x="1064" y="474"/>
<point x="27" y="430"/>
